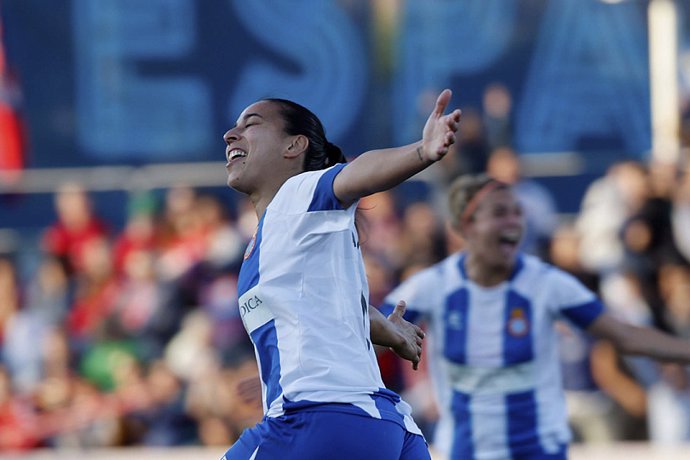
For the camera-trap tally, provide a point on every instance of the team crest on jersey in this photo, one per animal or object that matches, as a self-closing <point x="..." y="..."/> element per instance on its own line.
<point x="455" y="320"/>
<point x="250" y="247"/>
<point x="518" y="324"/>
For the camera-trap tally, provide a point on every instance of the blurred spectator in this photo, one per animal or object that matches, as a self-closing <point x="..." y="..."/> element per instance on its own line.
<point x="380" y="228"/>
<point x="139" y="306"/>
<point x="473" y="147"/>
<point x="224" y="242"/>
<point x="226" y="400"/>
<point x="18" y="423"/>
<point x="165" y="419"/>
<point x="497" y="106"/>
<point x="182" y="234"/>
<point x="680" y="214"/>
<point x="669" y="394"/>
<point x="648" y="240"/>
<point x="607" y="203"/>
<point x="212" y="283"/>
<point x="9" y="294"/>
<point x="191" y="352"/>
<point x="76" y="226"/>
<point x="44" y="307"/>
<point x="49" y="292"/>
<point x="423" y="240"/>
<point x="96" y="294"/>
<point x="139" y="232"/>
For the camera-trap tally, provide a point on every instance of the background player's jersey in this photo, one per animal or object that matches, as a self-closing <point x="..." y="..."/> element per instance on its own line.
<point x="493" y="356"/>
<point x="311" y="334"/>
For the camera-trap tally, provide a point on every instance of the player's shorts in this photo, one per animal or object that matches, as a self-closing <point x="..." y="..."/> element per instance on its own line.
<point x="319" y="435"/>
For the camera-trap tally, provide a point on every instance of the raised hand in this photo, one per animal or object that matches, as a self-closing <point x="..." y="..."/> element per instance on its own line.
<point x="439" y="130"/>
<point x="410" y="345"/>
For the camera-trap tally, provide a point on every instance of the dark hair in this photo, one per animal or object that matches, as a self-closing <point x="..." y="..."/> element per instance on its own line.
<point x="299" y="120"/>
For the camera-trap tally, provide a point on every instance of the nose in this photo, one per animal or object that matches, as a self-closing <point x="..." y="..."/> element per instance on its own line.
<point x="516" y="218"/>
<point x="230" y="136"/>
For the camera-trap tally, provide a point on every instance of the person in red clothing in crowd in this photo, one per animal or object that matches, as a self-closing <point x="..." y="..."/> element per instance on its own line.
<point x="97" y="291"/>
<point x="140" y="231"/>
<point x="75" y="227"/>
<point x="18" y="423"/>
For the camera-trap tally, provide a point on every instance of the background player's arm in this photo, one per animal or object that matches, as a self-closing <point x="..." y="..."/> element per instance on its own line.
<point x="403" y="337"/>
<point x="643" y="341"/>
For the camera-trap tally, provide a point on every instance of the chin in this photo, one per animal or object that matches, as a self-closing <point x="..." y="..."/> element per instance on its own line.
<point x="506" y="261"/>
<point x="235" y="184"/>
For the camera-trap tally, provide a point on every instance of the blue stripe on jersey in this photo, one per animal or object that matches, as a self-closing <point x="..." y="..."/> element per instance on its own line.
<point x="583" y="315"/>
<point x="455" y="321"/>
<point x="463" y="447"/>
<point x="266" y="340"/>
<point x="249" y="271"/>
<point x="324" y="199"/>
<point x="517" y="330"/>
<point x="521" y="413"/>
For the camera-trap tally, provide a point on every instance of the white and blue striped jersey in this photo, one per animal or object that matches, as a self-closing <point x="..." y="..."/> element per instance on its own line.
<point x="304" y="301"/>
<point x="493" y="354"/>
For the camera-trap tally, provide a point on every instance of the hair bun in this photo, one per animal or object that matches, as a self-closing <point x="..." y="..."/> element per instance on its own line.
<point x="335" y="155"/>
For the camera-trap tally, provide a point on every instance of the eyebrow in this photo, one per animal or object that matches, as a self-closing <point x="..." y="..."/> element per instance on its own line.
<point x="249" y="115"/>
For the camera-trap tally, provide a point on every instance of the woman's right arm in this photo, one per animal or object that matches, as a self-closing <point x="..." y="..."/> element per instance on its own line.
<point x="378" y="170"/>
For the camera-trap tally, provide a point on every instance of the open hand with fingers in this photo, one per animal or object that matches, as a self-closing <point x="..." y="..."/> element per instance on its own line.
<point x="409" y="344"/>
<point x="439" y="130"/>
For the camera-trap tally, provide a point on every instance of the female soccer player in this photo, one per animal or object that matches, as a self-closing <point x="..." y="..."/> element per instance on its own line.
<point x="491" y="312"/>
<point x="303" y="290"/>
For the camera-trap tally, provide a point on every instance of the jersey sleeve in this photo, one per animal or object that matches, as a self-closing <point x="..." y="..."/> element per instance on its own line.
<point x="422" y="293"/>
<point x="309" y="192"/>
<point x="323" y="198"/>
<point x="572" y="300"/>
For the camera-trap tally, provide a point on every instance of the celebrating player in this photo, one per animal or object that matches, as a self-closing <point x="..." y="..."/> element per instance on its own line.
<point x="491" y="312"/>
<point x="303" y="290"/>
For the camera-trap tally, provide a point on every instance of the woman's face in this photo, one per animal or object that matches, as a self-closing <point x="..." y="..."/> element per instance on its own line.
<point x="494" y="233"/>
<point x="254" y="146"/>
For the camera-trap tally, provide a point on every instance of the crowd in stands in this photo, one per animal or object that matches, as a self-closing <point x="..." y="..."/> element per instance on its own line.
<point x="132" y="336"/>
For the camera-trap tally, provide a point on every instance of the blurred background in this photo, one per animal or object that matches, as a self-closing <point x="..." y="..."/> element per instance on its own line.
<point x="120" y="243"/>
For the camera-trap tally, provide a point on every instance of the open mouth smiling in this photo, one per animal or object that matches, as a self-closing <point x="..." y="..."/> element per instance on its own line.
<point x="234" y="154"/>
<point x="509" y="238"/>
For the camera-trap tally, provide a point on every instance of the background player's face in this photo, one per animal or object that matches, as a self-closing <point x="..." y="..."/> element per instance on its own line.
<point x="497" y="228"/>
<point x="255" y="146"/>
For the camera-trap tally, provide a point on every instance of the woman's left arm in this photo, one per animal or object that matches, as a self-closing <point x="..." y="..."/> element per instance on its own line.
<point x="403" y="337"/>
<point x="379" y="170"/>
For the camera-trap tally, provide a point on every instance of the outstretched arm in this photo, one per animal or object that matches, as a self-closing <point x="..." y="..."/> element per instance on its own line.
<point x="379" y="170"/>
<point x="643" y="341"/>
<point x="404" y="338"/>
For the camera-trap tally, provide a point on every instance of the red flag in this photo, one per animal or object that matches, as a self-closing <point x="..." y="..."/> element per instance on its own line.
<point x="11" y="129"/>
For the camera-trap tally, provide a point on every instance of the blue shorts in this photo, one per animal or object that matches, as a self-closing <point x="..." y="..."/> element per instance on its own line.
<point x="318" y="435"/>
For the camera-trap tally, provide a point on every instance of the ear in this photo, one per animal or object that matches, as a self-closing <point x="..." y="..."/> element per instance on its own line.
<point x="298" y="145"/>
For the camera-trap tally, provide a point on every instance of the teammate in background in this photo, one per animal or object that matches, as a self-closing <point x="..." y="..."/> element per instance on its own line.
<point x="303" y="290"/>
<point x="491" y="312"/>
